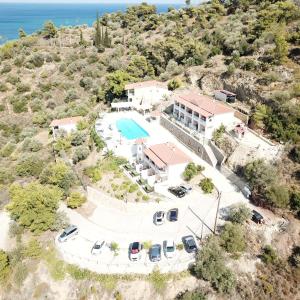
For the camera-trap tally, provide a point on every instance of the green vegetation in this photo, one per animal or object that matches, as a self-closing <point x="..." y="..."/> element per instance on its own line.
<point x="4" y="265"/>
<point x="207" y="185"/>
<point x="75" y="200"/>
<point x="233" y="238"/>
<point x="268" y="255"/>
<point x="239" y="214"/>
<point x="158" y="280"/>
<point x="191" y="171"/>
<point x="210" y="266"/>
<point x="34" y="205"/>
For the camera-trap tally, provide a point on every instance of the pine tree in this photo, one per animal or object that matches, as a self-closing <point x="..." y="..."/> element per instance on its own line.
<point x="106" y="39"/>
<point x="98" y="33"/>
<point x="82" y="41"/>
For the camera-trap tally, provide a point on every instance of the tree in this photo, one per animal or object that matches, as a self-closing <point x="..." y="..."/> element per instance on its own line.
<point x="34" y="205"/>
<point x="268" y="255"/>
<point x="260" y="115"/>
<point x="139" y="67"/>
<point x="174" y="84"/>
<point x="22" y="33"/>
<point x="281" y="47"/>
<point x="50" y="30"/>
<point x="116" y="84"/>
<point x="259" y="174"/>
<point x="218" y="133"/>
<point x="188" y="2"/>
<point x="278" y="196"/>
<point x="206" y="185"/>
<point x="191" y="170"/>
<point x="233" y="238"/>
<point x="210" y="265"/>
<point x="81" y="153"/>
<point x="82" y="41"/>
<point x="75" y="200"/>
<point x="295" y="154"/>
<point x="98" y="36"/>
<point x="30" y="166"/>
<point x="4" y="265"/>
<point x="58" y="174"/>
<point x="77" y="138"/>
<point x="239" y="214"/>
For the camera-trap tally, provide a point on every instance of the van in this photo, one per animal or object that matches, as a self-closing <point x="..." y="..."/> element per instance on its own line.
<point x="69" y="232"/>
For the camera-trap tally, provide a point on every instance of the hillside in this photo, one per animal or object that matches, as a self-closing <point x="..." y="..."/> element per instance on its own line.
<point x="249" y="47"/>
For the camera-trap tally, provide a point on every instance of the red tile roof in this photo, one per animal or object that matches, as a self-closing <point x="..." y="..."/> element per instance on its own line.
<point x="166" y="154"/>
<point x="140" y="141"/>
<point x="204" y="105"/>
<point x="66" y="121"/>
<point x="144" y="84"/>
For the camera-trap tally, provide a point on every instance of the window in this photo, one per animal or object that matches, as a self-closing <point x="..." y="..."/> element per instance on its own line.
<point x="182" y="106"/>
<point x="196" y="114"/>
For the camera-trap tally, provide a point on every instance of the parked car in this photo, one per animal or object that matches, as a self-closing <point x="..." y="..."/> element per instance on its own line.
<point x="155" y="253"/>
<point x="135" y="251"/>
<point x="169" y="248"/>
<point x="257" y="217"/>
<point x="173" y="215"/>
<point x="159" y="218"/>
<point x="98" y="247"/>
<point x="68" y="233"/>
<point x="177" y="191"/>
<point x="186" y="188"/>
<point x="189" y="243"/>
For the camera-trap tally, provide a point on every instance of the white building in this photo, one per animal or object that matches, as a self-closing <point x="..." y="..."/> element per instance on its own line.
<point x="67" y="125"/>
<point x="161" y="162"/>
<point x="201" y="113"/>
<point x="143" y="95"/>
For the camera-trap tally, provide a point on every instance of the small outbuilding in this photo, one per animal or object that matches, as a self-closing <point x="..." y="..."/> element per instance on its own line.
<point x="66" y="124"/>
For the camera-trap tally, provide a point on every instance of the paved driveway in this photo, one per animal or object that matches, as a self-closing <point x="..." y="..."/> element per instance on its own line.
<point x="116" y="221"/>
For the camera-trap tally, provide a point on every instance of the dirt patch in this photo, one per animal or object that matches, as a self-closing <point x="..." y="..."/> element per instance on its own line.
<point x="87" y="209"/>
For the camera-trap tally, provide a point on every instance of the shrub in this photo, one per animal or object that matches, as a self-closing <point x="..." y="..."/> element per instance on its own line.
<point x="295" y="257"/>
<point x="191" y="171"/>
<point x="239" y="214"/>
<point x="115" y="248"/>
<point x="33" y="249"/>
<point x="100" y="144"/>
<point x="268" y="255"/>
<point x="6" y="176"/>
<point x="77" y="138"/>
<point x="34" y="205"/>
<point x="191" y="295"/>
<point x="71" y="96"/>
<point x="94" y="173"/>
<point x="6" y="68"/>
<point x="75" y="200"/>
<point x="206" y="185"/>
<point x="61" y="221"/>
<point x="4" y="265"/>
<point x="81" y="153"/>
<point x="20" y="273"/>
<point x="278" y="196"/>
<point x="58" y="174"/>
<point x="233" y="238"/>
<point x="30" y="166"/>
<point x="158" y="280"/>
<point x="37" y="60"/>
<point x="295" y="154"/>
<point x="23" y="88"/>
<point x="49" y="30"/>
<point x="31" y="145"/>
<point x="3" y="87"/>
<point x="7" y="150"/>
<point x="174" y="84"/>
<point x="210" y="265"/>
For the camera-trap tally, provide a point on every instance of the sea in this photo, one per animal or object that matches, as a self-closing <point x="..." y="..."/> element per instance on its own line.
<point x="31" y="16"/>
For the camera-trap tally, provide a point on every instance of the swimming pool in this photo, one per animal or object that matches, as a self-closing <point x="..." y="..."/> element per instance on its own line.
<point x="130" y="129"/>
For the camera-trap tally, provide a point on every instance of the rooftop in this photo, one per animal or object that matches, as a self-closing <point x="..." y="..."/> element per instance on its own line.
<point x="202" y="104"/>
<point x="144" y="84"/>
<point x="166" y="154"/>
<point x="66" y="121"/>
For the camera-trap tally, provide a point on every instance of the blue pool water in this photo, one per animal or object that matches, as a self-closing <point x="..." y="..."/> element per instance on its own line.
<point x="130" y="129"/>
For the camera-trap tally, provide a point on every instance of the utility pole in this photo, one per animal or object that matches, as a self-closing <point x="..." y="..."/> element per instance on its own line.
<point x="217" y="212"/>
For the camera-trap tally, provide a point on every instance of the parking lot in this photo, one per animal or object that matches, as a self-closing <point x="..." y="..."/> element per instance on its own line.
<point x="124" y="223"/>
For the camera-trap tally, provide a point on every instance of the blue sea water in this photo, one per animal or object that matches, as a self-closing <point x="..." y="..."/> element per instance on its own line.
<point x="31" y="16"/>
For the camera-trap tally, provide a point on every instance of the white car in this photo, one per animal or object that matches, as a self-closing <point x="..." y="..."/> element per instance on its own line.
<point x="68" y="233"/>
<point x="159" y="218"/>
<point x="169" y="248"/>
<point x="98" y="247"/>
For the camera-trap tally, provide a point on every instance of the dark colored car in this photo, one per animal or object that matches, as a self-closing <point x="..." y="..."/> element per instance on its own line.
<point x="178" y="191"/>
<point x="257" y="217"/>
<point x="187" y="189"/>
<point x="155" y="253"/>
<point x="189" y="243"/>
<point x="173" y="215"/>
<point x="135" y="251"/>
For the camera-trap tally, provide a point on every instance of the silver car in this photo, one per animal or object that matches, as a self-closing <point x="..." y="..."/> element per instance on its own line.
<point x="159" y="218"/>
<point x="68" y="233"/>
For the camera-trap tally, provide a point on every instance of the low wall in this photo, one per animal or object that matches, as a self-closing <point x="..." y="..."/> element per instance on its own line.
<point x="244" y="118"/>
<point x="191" y="142"/>
<point x="220" y="156"/>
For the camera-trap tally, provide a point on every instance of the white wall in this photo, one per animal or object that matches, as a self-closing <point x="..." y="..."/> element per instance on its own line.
<point x="68" y="128"/>
<point x="148" y="95"/>
<point x="175" y="171"/>
<point x="217" y="120"/>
